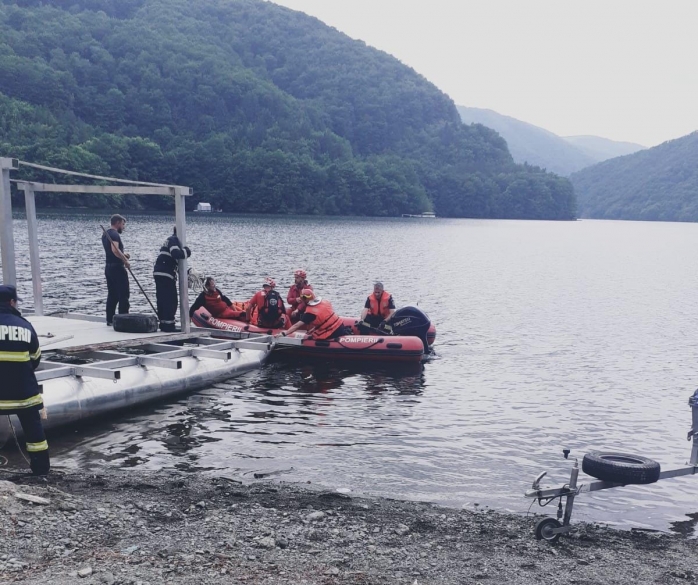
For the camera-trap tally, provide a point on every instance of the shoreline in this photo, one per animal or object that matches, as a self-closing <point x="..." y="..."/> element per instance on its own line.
<point x="132" y="527"/>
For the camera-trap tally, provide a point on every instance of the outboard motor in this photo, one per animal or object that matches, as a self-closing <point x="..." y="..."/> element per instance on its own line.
<point x="412" y="322"/>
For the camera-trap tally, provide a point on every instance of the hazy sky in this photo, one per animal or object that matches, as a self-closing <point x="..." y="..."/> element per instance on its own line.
<point x="622" y="69"/>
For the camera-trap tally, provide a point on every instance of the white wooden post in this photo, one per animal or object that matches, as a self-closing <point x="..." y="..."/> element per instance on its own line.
<point x="7" y="241"/>
<point x="30" y="205"/>
<point x="180" y="194"/>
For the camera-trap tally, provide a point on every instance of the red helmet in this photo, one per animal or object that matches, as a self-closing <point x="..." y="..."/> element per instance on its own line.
<point x="307" y="294"/>
<point x="300" y="272"/>
<point x="269" y="282"/>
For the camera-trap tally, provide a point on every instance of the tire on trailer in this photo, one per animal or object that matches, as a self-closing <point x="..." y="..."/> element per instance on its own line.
<point x="135" y="323"/>
<point x="620" y="467"/>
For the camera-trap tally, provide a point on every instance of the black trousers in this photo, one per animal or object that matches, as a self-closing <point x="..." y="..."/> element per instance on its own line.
<point x="37" y="447"/>
<point x="166" y="299"/>
<point x="117" y="290"/>
<point x="373" y="320"/>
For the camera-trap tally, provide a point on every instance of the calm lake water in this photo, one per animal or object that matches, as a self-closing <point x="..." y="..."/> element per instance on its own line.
<point x="575" y="335"/>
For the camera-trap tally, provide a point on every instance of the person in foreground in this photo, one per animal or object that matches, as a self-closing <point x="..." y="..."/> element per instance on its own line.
<point x="319" y="317"/>
<point x="165" y="275"/>
<point x="115" y="268"/>
<point x="20" y="355"/>
<point x="271" y="313"/>
<point x="379" y="306"/>
<point x="215" y="302"/>
<point x="296" y="304"/>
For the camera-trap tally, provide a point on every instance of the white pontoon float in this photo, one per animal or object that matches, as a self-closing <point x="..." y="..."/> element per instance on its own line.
<point x="636" y="470"/>
<point x="87" y="368"/>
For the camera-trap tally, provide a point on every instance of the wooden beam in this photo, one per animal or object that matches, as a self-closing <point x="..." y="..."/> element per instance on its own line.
<point x="30" y="205"/>
<point x="7" y="241"/>
<point x="103" y="189"/>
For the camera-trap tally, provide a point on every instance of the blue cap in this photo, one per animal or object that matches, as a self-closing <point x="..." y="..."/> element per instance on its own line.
<point x="7" y="293"/>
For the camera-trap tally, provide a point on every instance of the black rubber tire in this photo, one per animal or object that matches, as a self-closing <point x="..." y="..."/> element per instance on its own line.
<point x="620" y="467"/>
<point x="135" y="323"/>
<point x="544" y="527"/>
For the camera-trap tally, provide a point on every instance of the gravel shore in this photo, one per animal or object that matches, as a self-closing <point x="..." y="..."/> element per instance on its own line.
<point x="132" y="527"/>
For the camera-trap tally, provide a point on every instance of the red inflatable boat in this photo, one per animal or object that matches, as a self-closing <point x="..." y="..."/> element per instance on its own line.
<point x="374" y="347"/>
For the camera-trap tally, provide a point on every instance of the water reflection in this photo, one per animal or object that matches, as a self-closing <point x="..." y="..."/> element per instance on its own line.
<point x="550" y="335"/>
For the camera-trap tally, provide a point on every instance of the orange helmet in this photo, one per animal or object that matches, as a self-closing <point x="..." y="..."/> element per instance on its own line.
<point x="300" y="272"/>
<point x="269" y="282"/>
<point x="307" y="294"/>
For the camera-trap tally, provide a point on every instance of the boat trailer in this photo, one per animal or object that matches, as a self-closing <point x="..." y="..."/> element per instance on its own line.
<point x="550" y="529"/>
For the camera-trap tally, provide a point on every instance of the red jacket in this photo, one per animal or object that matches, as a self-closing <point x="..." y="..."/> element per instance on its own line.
<point x="294" y="296"/>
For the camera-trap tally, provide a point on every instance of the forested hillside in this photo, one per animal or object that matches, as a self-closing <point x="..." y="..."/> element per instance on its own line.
<point x="257" y="107"/>
<point x="660" y="183"/>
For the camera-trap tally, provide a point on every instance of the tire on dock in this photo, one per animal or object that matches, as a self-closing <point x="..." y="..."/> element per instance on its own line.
<point x="620" y="467"/>
<point x="135" y="323"/>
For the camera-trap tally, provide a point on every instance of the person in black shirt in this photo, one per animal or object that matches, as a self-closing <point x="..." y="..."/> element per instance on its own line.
<point x="115" y="269"/>
<point x="165" y="275"/>
<point x="20" y="395"/>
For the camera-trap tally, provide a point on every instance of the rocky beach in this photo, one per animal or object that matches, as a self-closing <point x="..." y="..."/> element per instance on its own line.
<point x="137" y="528"/>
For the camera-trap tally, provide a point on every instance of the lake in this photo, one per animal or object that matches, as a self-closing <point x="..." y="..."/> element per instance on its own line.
<point x="576" y="335"/>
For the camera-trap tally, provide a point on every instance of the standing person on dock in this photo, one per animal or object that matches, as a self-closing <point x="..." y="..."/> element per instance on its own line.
<point x="379" y="306"/>
<point x="20" y="355"/>
<point x="165" y="275"/>
<point x="319" y="317"/>
<point x="271" y="313"/>
<point x="115" y="268"/>
<point x="296" y="303"/>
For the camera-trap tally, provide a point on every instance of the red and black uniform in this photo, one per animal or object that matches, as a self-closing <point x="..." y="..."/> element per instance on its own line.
<point x="323" y="322"/>
<point x="379" y="309"/>
<point x="271" y="312"/>
<point x="117" y="278"/>
<point x="20" y="395"/>
<point x="217" y="304"/>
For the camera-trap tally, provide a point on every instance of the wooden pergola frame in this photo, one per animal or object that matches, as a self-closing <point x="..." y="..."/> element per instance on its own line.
<point x="7" y="246"/>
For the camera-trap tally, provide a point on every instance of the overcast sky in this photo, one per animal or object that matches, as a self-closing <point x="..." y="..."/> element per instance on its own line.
<point x="622" y="69"/>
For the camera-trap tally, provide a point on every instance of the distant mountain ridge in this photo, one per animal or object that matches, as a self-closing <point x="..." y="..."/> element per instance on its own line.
<point x="659" y="184"/>
<point x="539" y="147"/>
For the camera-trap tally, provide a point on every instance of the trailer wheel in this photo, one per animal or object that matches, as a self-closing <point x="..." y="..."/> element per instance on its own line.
<point x="620" y="467"/>
<point x="544" y="529"/>
<point x="135" y="323"/>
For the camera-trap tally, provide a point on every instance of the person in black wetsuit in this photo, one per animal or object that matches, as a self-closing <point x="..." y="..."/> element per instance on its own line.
<point x="165" y="275"/>
<point x="115" y="269"/>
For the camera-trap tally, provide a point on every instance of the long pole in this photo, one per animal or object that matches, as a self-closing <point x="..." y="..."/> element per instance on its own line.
<point x="106" y="233"/>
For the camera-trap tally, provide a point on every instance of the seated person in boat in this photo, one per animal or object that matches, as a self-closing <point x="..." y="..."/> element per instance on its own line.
<point x="296" y="304"/>
<point x="271" y="313"/>
<point x="319" y="317"/>
<point x="216" y="303"/>
<point x="379" y="306"/>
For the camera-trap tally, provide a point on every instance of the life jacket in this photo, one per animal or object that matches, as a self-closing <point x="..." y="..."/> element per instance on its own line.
<point x="380" y="308"/>
<point x="326" y="320"/>
<point x="214" y="303"/>
<point x="272" y="309"/>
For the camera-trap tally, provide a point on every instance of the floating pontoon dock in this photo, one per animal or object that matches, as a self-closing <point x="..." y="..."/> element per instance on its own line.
<point x="87" y="368"/>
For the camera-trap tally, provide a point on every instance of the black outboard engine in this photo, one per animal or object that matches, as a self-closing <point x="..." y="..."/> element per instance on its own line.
<point x="412" y="322"/>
